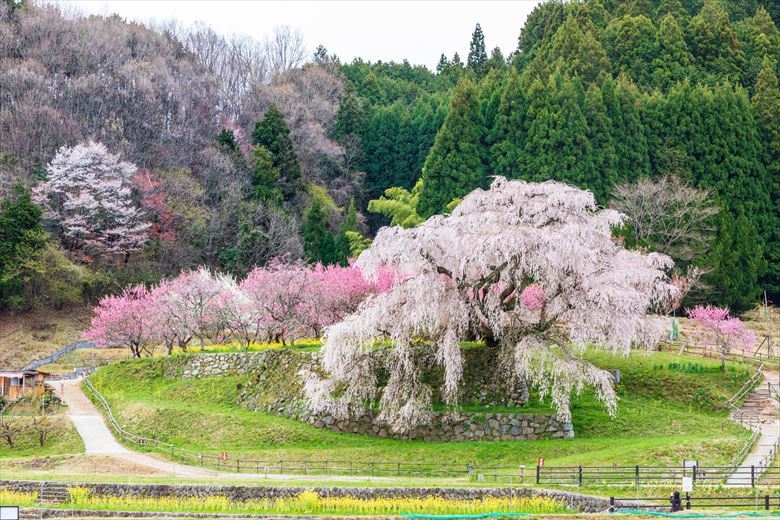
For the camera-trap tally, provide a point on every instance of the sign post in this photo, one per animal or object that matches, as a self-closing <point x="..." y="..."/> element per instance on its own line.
<point x="9" y="513"/>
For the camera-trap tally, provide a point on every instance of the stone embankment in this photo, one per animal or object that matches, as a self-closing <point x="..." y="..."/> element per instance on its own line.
<point x="275" y="387"/>
<point x="576" y="501"/>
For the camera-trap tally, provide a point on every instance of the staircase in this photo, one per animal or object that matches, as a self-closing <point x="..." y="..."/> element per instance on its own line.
<point x="759" y="409"/>
<point x="760" y="412"/>
<point x="52" y="493"/>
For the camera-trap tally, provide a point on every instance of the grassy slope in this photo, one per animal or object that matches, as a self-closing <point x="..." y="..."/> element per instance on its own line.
<point x="63" y="438"/>
<point x="26" y="337"/>
<point x="665" y="414"/>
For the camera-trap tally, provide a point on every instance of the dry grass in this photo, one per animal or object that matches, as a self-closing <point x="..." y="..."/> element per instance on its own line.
<point x="26" y="337"/>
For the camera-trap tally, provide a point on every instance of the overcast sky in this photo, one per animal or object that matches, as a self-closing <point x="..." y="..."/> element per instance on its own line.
<point x="374" y="30"/>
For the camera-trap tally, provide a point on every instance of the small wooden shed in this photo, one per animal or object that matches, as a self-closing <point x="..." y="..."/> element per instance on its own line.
<point x="18" y="384"/>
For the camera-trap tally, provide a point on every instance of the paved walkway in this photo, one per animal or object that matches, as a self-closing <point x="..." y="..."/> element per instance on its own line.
<point x="764" y="410"/>
<point x="99" y="440"/>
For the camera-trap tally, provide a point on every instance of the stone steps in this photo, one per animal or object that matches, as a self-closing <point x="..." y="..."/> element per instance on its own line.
<point x="53" y="494"/>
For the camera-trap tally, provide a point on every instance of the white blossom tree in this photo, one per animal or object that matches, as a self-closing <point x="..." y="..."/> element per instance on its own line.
<point x="530" y="268"/>
<point x="88" y="194"/>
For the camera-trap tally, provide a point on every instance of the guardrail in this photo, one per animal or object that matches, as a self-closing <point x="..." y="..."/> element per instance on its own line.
<point x="687" y="501"/>
<point x="713" y="353"/>
<point x="57" y="355"/>
<point x="652" y="475"/>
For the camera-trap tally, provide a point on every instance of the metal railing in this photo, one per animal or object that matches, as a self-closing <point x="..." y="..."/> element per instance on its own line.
<point x="765" y="502"/>
<point x="57" y="355"/>
<point x="652" y="475"/>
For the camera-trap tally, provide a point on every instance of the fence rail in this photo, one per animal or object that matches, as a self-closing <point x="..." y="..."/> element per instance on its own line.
<point x="653" y="475"/>
<point x="765" y="502"/>
<point x="709" y="351"/>
<point x="57" y="355"/>
<point x="266" y="467"/>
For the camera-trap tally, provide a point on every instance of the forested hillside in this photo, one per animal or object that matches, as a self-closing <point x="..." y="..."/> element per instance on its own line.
<point x="129" y="153"/>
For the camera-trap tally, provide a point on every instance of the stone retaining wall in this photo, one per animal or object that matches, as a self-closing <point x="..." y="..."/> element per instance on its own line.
<point x="576" y="501"/>
<point x="274" y="387"/>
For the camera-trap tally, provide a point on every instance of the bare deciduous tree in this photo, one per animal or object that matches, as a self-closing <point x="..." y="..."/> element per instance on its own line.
<point x="285" y="49"/>
<point x="8" y="430"/>
<point x="43" y="426"/>
<point x="667" y="215"/>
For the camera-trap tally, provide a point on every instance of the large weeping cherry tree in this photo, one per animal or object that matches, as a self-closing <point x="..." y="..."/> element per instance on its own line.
<point x="530" y="268"/>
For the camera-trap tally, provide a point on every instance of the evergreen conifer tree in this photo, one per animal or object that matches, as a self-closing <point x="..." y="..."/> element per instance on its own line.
<point x="507" y="152"/>
<point x="22" y="244"/>
<point x="227" y="139"/>
<point x="714" y="43"/>
<point x="736" y="263"/>
<point x="558" y="144"/>
<point x="766" y="103"/>
<point x="496" y="60"/>
<point x="673" y="62"/>
<point x="574" y="52"/>
<point x="265" y="176"/>
<point x="455" y="164"/>
<point x="318" y="242"/>
<point x="273" y="134"/>
<point x="477" y="57"/>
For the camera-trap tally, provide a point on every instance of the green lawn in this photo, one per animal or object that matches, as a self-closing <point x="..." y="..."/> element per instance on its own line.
<point x="671" y="407"/>
<point x="62" y="437"/>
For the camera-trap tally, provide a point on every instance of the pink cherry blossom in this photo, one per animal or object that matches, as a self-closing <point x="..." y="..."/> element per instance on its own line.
<point x="125" y="319"/>
<point x="530" y="268"/>
<point x="533" y="297"/>
<point x="88" y="193"/>
<point x="722" y="330"/>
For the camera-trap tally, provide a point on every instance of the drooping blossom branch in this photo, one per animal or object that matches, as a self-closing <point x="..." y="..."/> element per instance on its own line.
<point x="530" y="268"/>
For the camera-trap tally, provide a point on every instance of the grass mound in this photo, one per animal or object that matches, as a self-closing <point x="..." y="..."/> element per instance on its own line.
<point x="671" y="407"/>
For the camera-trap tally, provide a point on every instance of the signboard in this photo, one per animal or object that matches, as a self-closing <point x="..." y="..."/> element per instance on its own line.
<point x="687" y="484"/>
<point x="224" y="455"/>
<point x="690" y="463"/>
<point x="541" y="462"/>
<point x="9" y="513"/>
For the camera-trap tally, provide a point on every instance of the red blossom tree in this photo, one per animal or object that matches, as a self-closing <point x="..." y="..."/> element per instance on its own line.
<point x="153" y="197"/>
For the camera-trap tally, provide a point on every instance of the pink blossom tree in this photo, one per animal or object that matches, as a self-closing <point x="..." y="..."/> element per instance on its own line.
<point x="88" y="194"/>
<point x="721" y="329"/>
<point x="336" y="292"/>
<point x="168" y="320"/>
<point x="282" y="294"/>
<point x="190" y="297"/>
<point x="530" y="268"/>
<point x="235" y="313"/>
<point x="125" y="319"/>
